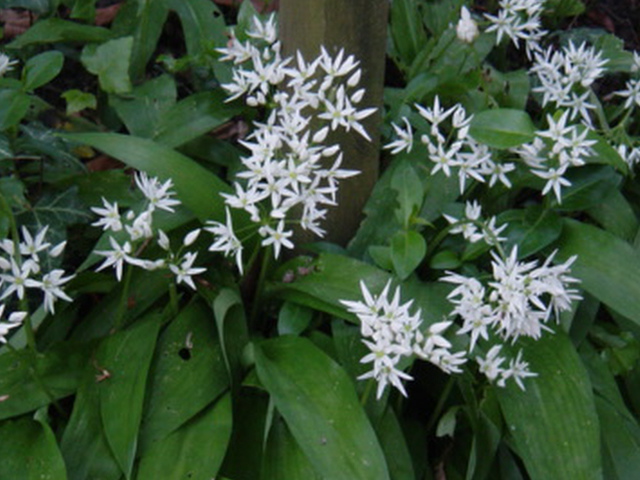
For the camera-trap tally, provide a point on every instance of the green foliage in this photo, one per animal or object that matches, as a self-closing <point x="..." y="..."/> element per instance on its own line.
<point x="264" y="370"/>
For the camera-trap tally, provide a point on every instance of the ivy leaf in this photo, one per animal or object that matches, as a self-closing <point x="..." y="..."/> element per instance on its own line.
<point x="110" y="62"/>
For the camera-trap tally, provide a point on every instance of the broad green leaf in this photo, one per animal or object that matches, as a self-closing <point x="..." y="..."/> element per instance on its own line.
<point x="394" y="445"/>
<point x="445" y="260"/>
<point x="149" y="22"/>
<point x="382" y="256"/>
<point x="29" y="451"/>
<point x="511" y="89"/>
<point x="283" y="457"/>
<point x="187" y="375"/>
<point x="331" y="278"/>
<point x="194" y="116"/>
<point x="126" y="356"/>
<point x="231" y="323"/>
<point x="42" y="68"/>
<point x="564" y="8"/>
<point x="30" y="381"/>
<point x="14" y="105"/>
<point x="39" y="7"/>
<point x="110" y="62"/>
<point x="615" y="214"/>
<point x="408" y="186"/>
<point x="553" y="424"/>
<point x="407" y="31"/>
<point x="502" y="128"/>
<point x="197" y="187"/>
<point x="439" y="14"/>
<point x="142" y="108"/>
<point x="84" y="446"/>
<point x="84" y="10"/>
<point x="608" y="267"/>
<point x="55" y="30"/>
<point x="195" y="450"/>
<point x="408" y="249"/>
<point x="530" y="229"/>
<point x="590" y="186"/>
<point x="293" y="319"/>
<point x="620" y="441"/>
<point x="604" y="153"/>
<point x="202" y="23"/>
<point x="319" y="404"/>
<point x="77" y="100"/>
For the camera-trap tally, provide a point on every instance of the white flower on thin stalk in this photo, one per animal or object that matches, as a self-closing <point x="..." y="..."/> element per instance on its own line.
<point x="6" y="64"/>
<point x="110" y="216"/>
<point x="185" y="269"/>
<point x="15" y="320"/>
<point x="466" y="29"/>
<point x="117" y="257"/>
<point x="404" y="140"/>
<point x="226" y="240"/>
<point x="51" y="285"/>
<point x="158" y="194"/>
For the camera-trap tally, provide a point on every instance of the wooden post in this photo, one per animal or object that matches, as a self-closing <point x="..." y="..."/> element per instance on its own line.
<point x="360" y="27"/>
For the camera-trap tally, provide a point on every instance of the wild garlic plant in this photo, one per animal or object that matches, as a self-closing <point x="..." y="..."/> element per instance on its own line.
<point x="135" y="231"/>
<point x="24" y="268"/>
<point x="292" y="173"/>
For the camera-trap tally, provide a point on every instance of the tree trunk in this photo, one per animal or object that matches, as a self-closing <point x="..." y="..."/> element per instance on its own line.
<point x="360" y="27"/>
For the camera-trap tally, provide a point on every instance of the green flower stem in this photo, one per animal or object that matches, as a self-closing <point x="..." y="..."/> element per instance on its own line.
<point x="367" y="392"/>
<point x="437" y="412"/>
<point x="124" y="298"/>
<point x="173" y="298"/>
<point x="257" y="299"/>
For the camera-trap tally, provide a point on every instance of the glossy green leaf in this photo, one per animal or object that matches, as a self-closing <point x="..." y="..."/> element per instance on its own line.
<point x="293" y="319"/>
<point x="110" y="62"/>
<point x="187" y="375"/>
<point x="408" y="187"/>
<point x="616" y="215"/>
<point x="608" y="267"/>
<point x="29" y="451"/>
<point x="142" y="109"/>
<point x="196" y="186"/>
<point x="77" y="100"/>
<point x="502" y="128"/>
<point x="194" y="116"/>
<point x="382" y="256"/>
<point x="530" y="229"/>
<point x="331" y="278"/>
<point x="553" y="424"/>
<point x="58" y="371"/>
<point x="590" y="186"/>
<point x="14" y="105"/>
<point x="54" y="30"/>
<point x="231" y="324"/>
<point x="565" y="8"/>
<point x="407" y="30"/>
<point x="84" y="446"/>
<point x="201" y="22"/>
<point x="149" y="23"/>
<point x="408" y="249"/>
<point x="445" y="260"/>
<point x="284" y="458"/>
<point x="195" y="450"/>
<point x="126" y="356"/>
<point x="319" y="404"/>
<point x="394" y="445"/>
<point x="620" y="441"/>
<point x="42" y="68"/>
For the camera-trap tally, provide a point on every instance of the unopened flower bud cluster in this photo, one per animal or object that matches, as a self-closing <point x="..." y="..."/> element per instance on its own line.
<point x="23" y="267"/>
<point x="139" y="231"/>
<point x="291" y="174"/>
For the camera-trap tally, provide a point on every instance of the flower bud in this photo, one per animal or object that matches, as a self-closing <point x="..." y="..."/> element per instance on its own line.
<point x="467" y="29"/>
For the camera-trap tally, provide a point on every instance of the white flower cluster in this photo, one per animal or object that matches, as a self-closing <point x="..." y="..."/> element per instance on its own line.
<point x="15" y="320"/>
<point x="519" y="20"/>
<point x="392" y="333"/>
<point x="554" y="150"/>
<point x="139" y="231"/>
<point x="632" y="90"/>
<point x="519" y="301"/>
<point x="451" y="147"/>
<point x="21" y="265"/>
<point x="473" y="228"/>
<point x="290" y="171"/>
<point x="631" y="155"/>
<point x="6" y="64"/>
<point x="566" y="77"/>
